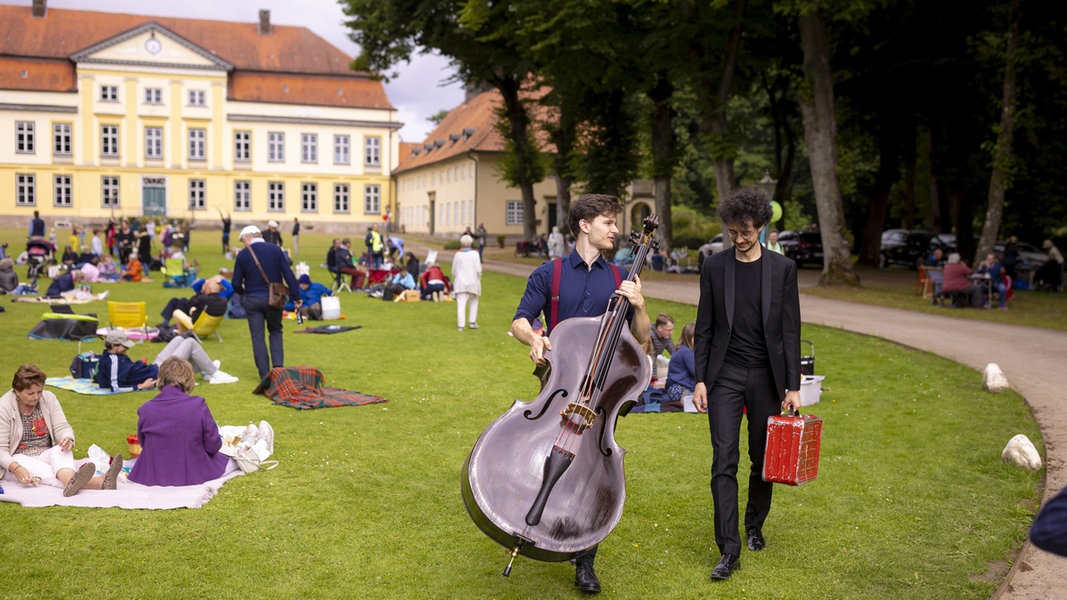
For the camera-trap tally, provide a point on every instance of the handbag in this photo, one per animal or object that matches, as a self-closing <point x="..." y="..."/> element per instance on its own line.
<point x="249" y="446"/>
<point x="277" y="293"/>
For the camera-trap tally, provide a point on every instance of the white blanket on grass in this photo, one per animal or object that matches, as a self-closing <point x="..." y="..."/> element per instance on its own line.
<point x="127" y="495"/>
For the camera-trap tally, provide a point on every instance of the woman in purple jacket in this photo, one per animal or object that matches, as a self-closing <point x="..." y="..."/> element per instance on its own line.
<point x="179" y="438"/>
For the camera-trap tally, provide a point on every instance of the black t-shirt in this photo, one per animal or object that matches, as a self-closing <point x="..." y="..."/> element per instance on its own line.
<point x="747" y="348"/>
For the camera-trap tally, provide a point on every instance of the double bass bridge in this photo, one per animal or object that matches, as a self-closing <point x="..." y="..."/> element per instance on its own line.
<point x="582" y="412"/>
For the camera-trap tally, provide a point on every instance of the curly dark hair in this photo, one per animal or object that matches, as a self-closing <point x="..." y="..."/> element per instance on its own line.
<point x="745" y="205"/>
<point x="590" y="206"/>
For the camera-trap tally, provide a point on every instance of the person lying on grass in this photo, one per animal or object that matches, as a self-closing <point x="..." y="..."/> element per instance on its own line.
<point x="36" y="442"/>
<point x="119" y="373"/>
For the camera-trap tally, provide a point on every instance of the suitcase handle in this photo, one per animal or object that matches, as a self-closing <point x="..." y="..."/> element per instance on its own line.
<point x="795" y="413"/>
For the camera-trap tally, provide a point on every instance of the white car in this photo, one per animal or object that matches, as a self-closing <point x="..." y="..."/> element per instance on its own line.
<point x="714" y="245"/>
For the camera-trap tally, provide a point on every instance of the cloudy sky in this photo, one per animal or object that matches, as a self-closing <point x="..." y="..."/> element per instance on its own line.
<point x="418" y="92"/>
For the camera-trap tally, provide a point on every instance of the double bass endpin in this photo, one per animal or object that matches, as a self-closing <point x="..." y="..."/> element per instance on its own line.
<point x="514" y="553"/>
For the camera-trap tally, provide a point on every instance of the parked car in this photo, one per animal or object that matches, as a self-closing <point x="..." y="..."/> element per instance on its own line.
<point x="904" y="247"/>
<point x="714" y="245"/>
<point x="803" y="248"/>
<point x="1028" y="253"/>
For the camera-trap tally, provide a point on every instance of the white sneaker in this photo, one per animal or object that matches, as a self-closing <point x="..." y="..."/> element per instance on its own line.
<point x="217" y="364"/>
<point x="221" y="376"/>
<point x="474" y="325"/>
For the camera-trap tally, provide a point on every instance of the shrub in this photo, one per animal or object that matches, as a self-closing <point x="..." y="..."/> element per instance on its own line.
<point x="691" y="227"/>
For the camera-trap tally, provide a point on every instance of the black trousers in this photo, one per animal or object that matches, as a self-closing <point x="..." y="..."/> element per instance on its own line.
<point x="264" y="319"/>
<point x="734" y="390"/>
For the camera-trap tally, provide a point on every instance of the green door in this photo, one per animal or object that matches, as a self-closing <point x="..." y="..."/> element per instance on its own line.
<point x="154" y="201"/>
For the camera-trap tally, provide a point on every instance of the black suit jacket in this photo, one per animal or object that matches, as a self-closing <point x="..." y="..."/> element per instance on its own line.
<point x="781" y="317"/>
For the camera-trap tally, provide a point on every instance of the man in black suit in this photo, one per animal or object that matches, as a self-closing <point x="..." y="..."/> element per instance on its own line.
<point x="747" y="356"/>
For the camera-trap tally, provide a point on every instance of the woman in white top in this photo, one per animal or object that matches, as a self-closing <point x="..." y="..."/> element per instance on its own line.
<point x="466" y="282"/>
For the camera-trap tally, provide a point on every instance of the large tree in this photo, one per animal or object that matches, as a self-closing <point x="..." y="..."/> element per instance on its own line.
<point x="820" y="130"/>
<point x="479" y="38"/>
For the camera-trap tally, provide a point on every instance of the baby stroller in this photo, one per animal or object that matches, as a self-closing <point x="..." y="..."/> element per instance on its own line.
<point x="39" y="252"/>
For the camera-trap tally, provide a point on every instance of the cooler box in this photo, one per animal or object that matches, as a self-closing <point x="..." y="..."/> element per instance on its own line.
<point x="810" y="389"/>
<point x="792" y="452"/>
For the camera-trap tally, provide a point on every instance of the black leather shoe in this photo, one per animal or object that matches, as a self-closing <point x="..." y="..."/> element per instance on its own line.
<point x="755" y="539"/>
<point x="726" y="567"/>
<point x="585" y="579"/>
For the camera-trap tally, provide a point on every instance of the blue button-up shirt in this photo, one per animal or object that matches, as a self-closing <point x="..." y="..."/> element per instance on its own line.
<point x="583" y="291"/>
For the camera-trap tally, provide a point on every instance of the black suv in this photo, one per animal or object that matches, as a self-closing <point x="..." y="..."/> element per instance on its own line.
<point x="903" y="247"/>
<point x="803" y="248"/>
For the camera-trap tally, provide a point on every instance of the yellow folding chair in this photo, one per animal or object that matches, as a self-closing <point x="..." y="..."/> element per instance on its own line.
<point x="206" y="325"/>
<point x="128" y="315"/>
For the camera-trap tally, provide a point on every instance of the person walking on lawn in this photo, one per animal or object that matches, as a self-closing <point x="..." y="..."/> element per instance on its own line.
<point x="587" y="283"/>
<point x="747" y="356"/>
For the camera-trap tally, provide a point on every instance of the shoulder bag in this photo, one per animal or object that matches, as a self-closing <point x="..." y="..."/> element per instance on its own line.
<point x="277" y="293"/>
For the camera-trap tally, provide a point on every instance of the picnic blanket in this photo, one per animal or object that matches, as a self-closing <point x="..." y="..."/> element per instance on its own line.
<point x="74" y="297"/>
<point x="134" y="333"/>
<point x="329" y="329"/>
<point x="303" y="387"/>
<point x="127" y="495"/>
<point x="79" y="386"/>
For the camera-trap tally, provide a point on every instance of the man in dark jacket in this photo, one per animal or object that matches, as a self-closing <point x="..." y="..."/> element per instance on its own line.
<point x="254" y="288"/>
<point x="64" y="283"/>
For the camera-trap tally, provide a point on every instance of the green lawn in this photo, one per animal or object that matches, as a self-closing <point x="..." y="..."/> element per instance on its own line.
<point x="912" y="500"/>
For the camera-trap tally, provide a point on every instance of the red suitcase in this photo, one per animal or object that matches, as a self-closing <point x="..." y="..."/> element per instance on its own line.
<point x="792" y="452"/>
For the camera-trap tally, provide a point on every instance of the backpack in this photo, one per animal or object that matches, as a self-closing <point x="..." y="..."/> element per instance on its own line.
<point x="85" y="365"/>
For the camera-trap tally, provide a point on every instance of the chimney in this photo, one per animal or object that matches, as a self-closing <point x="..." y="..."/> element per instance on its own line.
<point x="264" y="20"/>
<point x="40" y="7"/>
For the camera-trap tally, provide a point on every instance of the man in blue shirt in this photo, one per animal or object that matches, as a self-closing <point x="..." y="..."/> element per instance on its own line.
<point x="587" y="283"/>
<point x="253" y="285"/>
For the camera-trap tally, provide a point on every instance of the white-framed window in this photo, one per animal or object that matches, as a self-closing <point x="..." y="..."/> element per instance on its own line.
<point x="341" y="149"/>
<point x="25" y="189"/>
<point x="275" y="146"/>
<point x="513" y="212"/>
<point x="62" y="138"/>
<point x="109" y="140"/>
<point x="242" y="195"/>
<point x="340" y="198"/>
<point x="109" y="93"/>
<point x="197" y="194"/>
<point x="109" y="191"/>
<point x="309" y="197"/>
<point x="372" y="199"/>
<point x="372" y="151"/>
<point x="153" y="95"/>
<point x="62" y="191"/>
<point x="153" y="142"/>
<point x="24" y="137"/>
<point x="242" y="146"/>
<point x="197" y="98"/>
<point x="197" y="144"/>
<point x="276" y="195"/>
<point x="309" y="147"/>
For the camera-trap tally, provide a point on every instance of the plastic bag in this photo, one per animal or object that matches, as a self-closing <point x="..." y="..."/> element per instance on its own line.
<point x="100" y="459"/>
<point x="249" y="446"/>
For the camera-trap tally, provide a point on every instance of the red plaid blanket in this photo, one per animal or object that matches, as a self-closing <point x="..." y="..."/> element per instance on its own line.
<point x="302" y="387"/>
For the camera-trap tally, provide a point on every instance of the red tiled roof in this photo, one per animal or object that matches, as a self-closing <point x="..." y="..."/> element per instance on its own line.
<point x="471" y="126"/>
<point x="309" y="89"/>
<point x="28" y="74"/>
<point x="286" y="52"/>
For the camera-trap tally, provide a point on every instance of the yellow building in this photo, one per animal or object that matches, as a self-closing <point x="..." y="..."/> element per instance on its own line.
<point x="125" y="115"/>
<point x="452" y="181"/>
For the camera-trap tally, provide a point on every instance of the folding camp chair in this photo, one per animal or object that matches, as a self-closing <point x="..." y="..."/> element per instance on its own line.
<point x="206" y="325"/>
<point x="176" y="269"/>
<point x="128" y="315"/>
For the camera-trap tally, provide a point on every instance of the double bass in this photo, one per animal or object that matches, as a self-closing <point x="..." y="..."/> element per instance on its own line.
<point x="545" y="479"/>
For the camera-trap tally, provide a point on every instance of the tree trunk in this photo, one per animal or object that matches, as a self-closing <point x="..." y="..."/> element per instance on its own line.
<point x="819" y="135"/>
<point x="1000" y="178"/>
<point x="663" y="155"/>
<point x="525" y="153"/>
